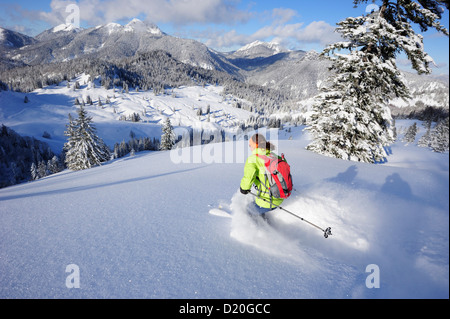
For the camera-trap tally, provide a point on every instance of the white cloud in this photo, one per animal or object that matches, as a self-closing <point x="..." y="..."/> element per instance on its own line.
<point x="178" y="12"/>
<point x="282" y="15"/>
<point x="318" y="31"/>
<point x="289" y="35"/>
<point x="57" y="15"/>
<point x="226" y="40"/>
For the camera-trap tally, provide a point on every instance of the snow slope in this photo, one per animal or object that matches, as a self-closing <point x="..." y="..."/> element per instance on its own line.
<point x="139" y="227"/>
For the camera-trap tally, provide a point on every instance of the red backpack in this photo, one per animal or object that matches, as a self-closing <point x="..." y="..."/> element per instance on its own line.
<point x="278" y="172"/>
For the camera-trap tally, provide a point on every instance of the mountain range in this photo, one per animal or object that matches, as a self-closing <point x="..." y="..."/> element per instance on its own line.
<point x="111" y="41"/>
<point x="295" y="73"/>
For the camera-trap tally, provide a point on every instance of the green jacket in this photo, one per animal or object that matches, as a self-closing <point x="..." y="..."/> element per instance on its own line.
<point x="254" y="173"/>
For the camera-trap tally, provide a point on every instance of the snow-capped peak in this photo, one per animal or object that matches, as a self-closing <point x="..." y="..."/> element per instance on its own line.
<point x="260" y="49"/>
<point x="274" y="46"/>
<point x="111" y="27"/>
<point x="136" y="25"/>
<point x="311" y="55"/>
<point x="66" y="27"/>
<point x="250" y="45"/>
<point x="134" y="22"/>
<point x="3" y="38"/>
<point x="2" y="34"/>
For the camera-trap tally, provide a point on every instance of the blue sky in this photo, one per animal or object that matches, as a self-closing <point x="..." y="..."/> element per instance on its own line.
<point x="223" y="25"/>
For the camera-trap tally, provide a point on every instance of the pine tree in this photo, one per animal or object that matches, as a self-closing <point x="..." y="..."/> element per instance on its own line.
<point x="439" y="140"/>
<point x="34" y="172"/>
<point x="42" y="169"/>
<point x="394" y="129"/>
<point x="70" y="132"/>
<point x="351" y="118"/>
<point x="54" y="165"/>
<point x="168" y="136"/>
<point x="123" y="149"/>
<point x="84" y="148"/>
<point x="424" y="141"/>
<point x="13" y="173"/>
<point x="410" y="135"/>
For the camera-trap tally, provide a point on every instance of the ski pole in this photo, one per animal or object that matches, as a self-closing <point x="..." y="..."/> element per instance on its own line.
<point x="326" y="232"/>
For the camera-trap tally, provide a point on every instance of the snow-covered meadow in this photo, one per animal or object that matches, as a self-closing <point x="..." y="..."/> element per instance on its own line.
<point x="48" y="108"/>
<point x="140" y="227"/>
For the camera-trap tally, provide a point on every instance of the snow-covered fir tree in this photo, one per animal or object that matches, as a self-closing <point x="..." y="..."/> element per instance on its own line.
<point x="411" y="132"/>
<point x="34" y="172"/>
<point x="439" y="139"/>
<point x="168" y="136"/>
<point x="70" y="132"/>
<point x="53" y="165"/>
<point x="351" y="118"/>
<point x="13" y="173"/>
<point x="84" y="149"/>
<point x="42" y="169"/>
<point x="424" y="141"/>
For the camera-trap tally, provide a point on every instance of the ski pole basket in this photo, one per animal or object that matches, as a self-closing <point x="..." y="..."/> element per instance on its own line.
<point x="326" y="231"/>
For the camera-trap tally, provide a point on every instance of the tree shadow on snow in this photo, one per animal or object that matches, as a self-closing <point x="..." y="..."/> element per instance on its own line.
<point x="92" y="186"/>
<point x="393" y="185"/>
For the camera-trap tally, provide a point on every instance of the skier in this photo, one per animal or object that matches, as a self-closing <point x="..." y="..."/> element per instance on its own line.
<point x="254" y="173"/>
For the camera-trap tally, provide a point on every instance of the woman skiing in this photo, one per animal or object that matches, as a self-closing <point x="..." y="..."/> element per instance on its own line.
<point x="254" y="173"/>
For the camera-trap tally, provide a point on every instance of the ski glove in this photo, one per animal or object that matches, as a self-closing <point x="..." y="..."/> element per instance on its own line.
<point x="244" y="191"/>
